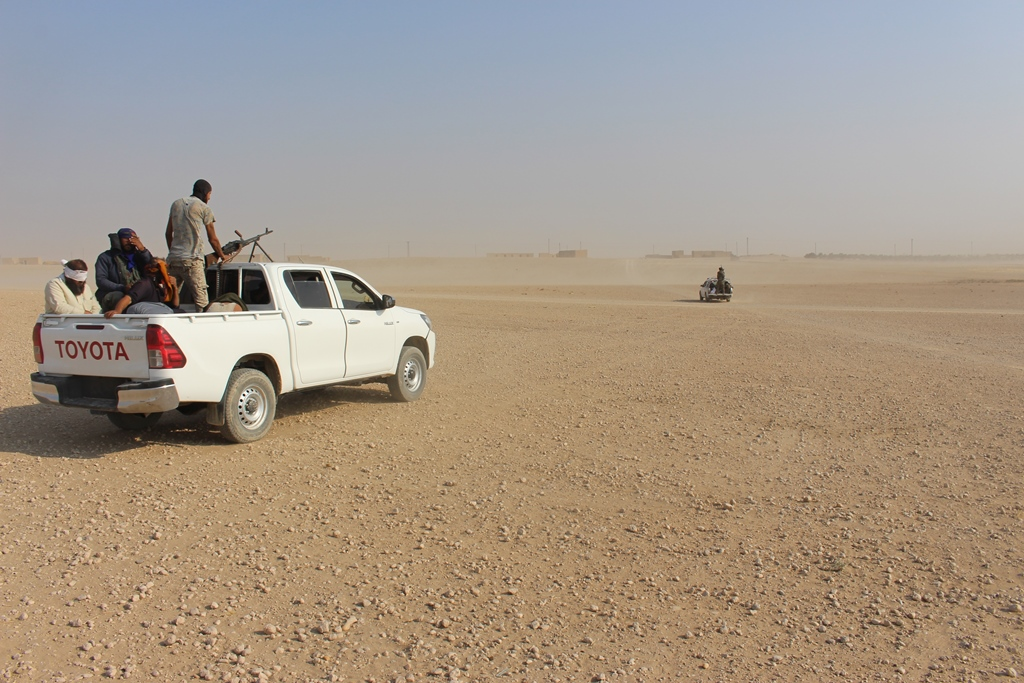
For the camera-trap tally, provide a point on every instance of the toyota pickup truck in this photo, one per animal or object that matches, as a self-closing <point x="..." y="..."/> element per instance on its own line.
<point x="305" y="326"/>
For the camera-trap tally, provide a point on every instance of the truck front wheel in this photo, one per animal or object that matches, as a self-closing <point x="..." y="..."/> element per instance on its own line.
<point x="133" y="422"/>
<point x="410" y="377"/>
<point x="250" y="404"/>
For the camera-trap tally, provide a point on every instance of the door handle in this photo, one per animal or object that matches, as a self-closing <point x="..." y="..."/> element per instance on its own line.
<point x="303" y="323"/>
<point x="354" y="321"/>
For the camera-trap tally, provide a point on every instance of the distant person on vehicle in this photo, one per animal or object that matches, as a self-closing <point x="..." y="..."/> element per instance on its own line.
<point x="120" y="267"/>
<point x="69" y="293"/>
<point x="189" y="218"/>
<point x="721" y="280"/>
<point x="155" y="293"/>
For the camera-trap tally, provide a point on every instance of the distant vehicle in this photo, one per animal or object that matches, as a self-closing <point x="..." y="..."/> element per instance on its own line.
<point x="708" y="290"/>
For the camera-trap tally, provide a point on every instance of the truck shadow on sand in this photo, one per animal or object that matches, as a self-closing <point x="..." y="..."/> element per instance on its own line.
<point x="312" y="400"/>
<point x="51" y="432"/>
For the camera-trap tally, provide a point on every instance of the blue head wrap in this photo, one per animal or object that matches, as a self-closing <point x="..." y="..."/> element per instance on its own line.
<point x="123" y="234"/>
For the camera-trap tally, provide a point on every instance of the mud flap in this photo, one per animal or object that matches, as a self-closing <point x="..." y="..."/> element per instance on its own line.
<point x="215" y="414"/>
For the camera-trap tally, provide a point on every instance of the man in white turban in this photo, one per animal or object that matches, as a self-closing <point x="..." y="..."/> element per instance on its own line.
<point x="69" y="292"/>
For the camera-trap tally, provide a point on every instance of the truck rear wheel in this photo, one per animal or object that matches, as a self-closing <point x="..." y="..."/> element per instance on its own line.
<point x="133" y="422"/>
<point x="410" y="377"/>
<point x="250" y="404"/>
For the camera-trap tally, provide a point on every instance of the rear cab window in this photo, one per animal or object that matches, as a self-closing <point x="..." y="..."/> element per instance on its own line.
<point x="250" y="284"/>
<point x="255" y="291"/>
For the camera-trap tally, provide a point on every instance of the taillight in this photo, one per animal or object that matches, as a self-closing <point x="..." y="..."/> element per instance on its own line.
<point x="37" y="342"/>
<point x="164" y="352"/>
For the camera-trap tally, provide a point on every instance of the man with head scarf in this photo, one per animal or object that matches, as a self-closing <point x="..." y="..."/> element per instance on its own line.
<point x="190" y="219"/>
<point x="120" y="267"/>
<point x="69" y="292"/>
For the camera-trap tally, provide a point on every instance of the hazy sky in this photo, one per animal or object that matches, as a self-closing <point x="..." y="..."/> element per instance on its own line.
<point x="458" y="128"/>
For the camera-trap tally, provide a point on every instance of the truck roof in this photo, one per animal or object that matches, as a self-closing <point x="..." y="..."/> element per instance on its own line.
<point x="277" y="265"/>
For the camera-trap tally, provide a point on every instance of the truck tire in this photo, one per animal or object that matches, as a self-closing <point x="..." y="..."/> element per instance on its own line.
<point x="410" y="377"/>
<point x="133" y="422"/>
<point x="250" y="404"/>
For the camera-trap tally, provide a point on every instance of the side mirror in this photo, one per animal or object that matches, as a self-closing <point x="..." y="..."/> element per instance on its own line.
<point x="389" y="301"/>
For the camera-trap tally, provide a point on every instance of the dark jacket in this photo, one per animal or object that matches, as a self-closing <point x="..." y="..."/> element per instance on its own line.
<point x="108" y="275"/>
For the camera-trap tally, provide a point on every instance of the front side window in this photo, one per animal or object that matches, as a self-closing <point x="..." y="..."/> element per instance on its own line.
<point x="353" y="294"/>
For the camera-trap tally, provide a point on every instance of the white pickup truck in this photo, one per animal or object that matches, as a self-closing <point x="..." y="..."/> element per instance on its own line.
<point x="306" y="326"/>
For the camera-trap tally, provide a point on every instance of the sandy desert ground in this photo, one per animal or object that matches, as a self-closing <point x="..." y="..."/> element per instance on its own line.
<point x="605" y="480"/>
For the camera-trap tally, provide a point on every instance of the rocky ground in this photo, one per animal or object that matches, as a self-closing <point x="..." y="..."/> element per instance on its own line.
<point x="607" y="482"/>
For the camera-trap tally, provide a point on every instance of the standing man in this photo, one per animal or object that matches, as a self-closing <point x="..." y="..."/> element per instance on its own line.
<point x="721" y="280"/>
<point x="190" y="216"/>
<point x="120" y="267"/>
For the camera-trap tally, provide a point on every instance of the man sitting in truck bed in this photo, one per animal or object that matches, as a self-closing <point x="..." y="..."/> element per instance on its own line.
<point x="156" y="293"/>
<point x="120" y="267"/>
<point x="69" y="293"/>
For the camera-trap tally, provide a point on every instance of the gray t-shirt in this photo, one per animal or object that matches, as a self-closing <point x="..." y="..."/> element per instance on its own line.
<point x="189" y="218"/>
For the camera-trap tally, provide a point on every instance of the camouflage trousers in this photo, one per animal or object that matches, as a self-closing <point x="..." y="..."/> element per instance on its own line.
<point x="191" y="277"/>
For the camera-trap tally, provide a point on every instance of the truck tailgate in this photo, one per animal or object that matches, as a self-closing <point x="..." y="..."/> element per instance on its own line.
<point x="95" y="346"/>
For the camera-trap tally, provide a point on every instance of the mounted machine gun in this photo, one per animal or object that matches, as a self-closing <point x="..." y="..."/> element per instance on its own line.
<point x="232" y="248"/>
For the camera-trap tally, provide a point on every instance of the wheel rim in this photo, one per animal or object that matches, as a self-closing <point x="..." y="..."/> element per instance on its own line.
<point x="251" y="407"/>
<point x="412" y="375"/>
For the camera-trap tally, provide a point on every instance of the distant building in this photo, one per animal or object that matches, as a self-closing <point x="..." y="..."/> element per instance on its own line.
<point x="511" y="254"/>
<point x="572" y="253"/>
<point x="678" y="254"/>
<point x="21" y="261"/>
<point x="712" y="254"/>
